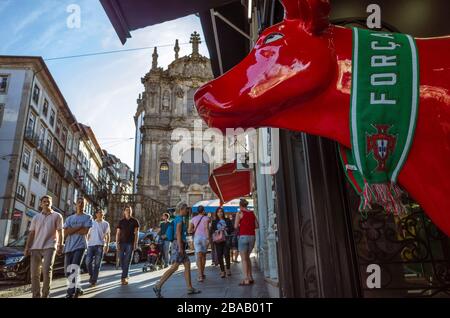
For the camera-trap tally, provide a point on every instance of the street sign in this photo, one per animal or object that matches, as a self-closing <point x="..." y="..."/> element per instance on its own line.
<point x="17" y="214"/>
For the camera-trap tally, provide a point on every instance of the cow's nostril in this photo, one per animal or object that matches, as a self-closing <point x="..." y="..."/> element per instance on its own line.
<point x="267" y="53"/>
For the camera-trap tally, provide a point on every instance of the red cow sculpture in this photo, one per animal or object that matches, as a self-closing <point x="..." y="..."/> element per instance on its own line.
<point x="298" y="77"/>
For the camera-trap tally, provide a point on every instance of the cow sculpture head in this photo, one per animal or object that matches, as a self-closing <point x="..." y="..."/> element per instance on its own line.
<point x="298" y="76"/>
<point x="290" y="62"/>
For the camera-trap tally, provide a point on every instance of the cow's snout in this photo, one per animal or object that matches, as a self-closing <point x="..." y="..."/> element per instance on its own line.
<point x="216" y="103"/>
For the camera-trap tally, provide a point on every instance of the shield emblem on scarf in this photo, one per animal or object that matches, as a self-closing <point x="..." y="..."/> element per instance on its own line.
<point x="382" y="147"/>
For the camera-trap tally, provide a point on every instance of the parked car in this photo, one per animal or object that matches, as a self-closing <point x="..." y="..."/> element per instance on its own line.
<point x="14" y="265"/>
<point x="138" y="256"/>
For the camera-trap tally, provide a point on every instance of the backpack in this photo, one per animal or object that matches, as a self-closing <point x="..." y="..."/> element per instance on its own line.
<point x="170" y="232"/>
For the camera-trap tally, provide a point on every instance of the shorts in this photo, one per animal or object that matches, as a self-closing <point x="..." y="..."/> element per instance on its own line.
<point x="200" y="244"/>
<point x="176" y="257"/>
<point x="246" y="243"/>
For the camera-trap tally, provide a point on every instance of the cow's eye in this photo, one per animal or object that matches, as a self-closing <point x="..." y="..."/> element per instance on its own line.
<point x="273" y="37"/>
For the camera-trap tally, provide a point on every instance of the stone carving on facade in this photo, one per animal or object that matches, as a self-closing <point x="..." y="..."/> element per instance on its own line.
<point x="165" y="151"/>
<point x="179" y="93"/>
<point x="166" y="101"/>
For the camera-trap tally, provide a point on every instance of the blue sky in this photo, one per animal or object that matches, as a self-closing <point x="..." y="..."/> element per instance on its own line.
<point x="100" y="90"/>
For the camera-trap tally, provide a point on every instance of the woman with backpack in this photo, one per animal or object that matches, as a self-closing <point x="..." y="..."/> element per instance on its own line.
<point x="247" y="223"/>
<point x="222" y="228"/>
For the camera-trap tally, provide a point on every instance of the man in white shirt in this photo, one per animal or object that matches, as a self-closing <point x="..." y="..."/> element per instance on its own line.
<point x="98" y="242"/>
<point x="44" y="240"/>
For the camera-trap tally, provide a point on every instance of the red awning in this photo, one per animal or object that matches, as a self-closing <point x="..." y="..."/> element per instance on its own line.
<point x="229" y="183"/>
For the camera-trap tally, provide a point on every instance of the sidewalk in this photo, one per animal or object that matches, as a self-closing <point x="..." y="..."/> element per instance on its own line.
<point x="140" y="284"/>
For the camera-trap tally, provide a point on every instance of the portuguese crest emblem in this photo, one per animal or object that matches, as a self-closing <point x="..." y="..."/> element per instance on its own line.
<point x="381" y="144"/>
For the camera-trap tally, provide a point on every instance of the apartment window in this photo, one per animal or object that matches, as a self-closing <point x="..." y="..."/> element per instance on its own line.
<point x="64" y="136"/>
<point x="37" y="169"/>
<point x="4" y="84"/>
<point x="21" y="192"/>
<point x="45" y="108"/>
<point x="41" y="133"/>
<point x="36" y="92"/>
<point x="44" y="176"/>
<point x="69" y="141"/>
<point x="48" y="145"/>
<point x="58" y="127"/>
<point x="32" y="200"/>
<point x="26" y="159"/>
<point x="52" y="118"/>
<point x="2" y="111"/>
<point x="31" y="123"/>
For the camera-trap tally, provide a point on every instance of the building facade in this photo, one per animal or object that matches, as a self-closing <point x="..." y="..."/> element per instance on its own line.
<point x="89" y="164"/>
<point x="165" y="105"/>
<point x="116" y="179"/>
<point x="37" y="129"/>
<point x="43" y="149"/>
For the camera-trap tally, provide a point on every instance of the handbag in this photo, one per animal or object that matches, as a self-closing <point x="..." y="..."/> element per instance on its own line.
<point x="219" y="236"/>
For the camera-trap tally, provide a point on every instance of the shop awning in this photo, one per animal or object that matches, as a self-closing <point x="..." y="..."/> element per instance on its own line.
<point x="129" y="15"/>
<point x="31" y="213"/>
<point x="228" y="183"/>
<point x="228" y="207"/>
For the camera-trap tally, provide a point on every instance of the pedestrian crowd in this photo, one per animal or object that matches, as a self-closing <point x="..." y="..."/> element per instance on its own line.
<point x="82" y="237"/>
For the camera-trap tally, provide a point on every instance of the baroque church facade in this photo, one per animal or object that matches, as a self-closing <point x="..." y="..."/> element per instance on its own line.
<point x="166" y="104"/>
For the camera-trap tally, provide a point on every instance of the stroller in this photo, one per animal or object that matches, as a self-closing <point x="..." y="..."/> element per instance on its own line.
<point x="154" y="258"/>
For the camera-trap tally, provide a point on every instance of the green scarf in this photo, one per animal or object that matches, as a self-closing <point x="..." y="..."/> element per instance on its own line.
<point x="383" y="113"/>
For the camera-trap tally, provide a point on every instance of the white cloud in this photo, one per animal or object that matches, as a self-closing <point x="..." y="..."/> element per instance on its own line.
<point x="46" y="38"/>
<point x="28" y="20"/>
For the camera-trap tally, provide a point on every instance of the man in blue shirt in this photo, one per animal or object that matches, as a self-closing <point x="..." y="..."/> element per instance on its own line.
<point x="179" y="255"/>
<point x="76" y="229"/>
<point x="166" y="234"/>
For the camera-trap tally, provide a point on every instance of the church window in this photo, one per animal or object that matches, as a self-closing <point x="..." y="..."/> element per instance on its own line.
<point x="190" y="101"/>
<point x="194" y="168"/>
<point x="164" y="174"/>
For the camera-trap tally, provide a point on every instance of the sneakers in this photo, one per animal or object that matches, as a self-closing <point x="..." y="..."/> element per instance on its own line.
<point x="193" y="291"/>
<point x="157" y="291"/>
<point x="124" y="281"/>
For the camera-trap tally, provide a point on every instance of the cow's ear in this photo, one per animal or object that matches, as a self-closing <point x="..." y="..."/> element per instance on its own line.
<point x="314" y="14"/>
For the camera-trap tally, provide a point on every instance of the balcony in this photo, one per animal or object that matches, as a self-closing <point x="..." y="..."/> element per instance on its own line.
<point x="91" y="195"/>
<point x="32" y="137"/>
<point x="68" y="175"/>
<point x="45" y="151"/>
<point x="77" y="177"/>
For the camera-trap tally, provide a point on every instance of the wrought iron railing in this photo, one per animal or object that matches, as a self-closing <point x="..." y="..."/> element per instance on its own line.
<point x="413" y="254"/>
